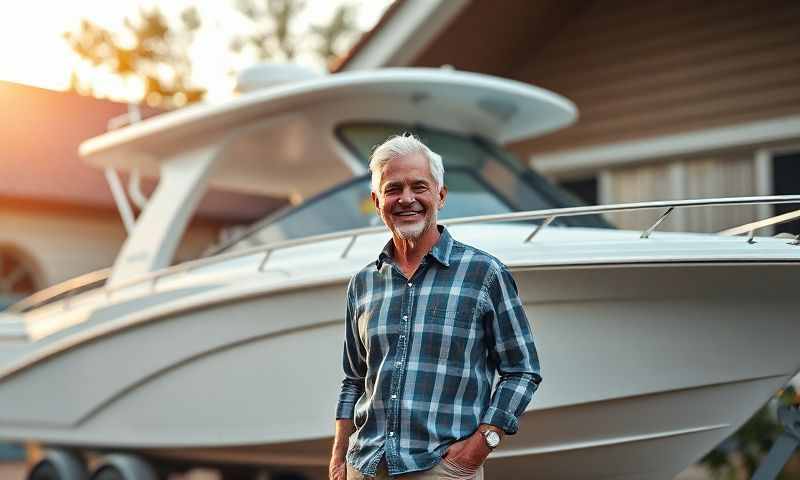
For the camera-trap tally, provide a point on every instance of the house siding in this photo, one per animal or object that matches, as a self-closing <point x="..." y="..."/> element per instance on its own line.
<point x="64" y="246"/>
<point x="644" y="69"/>
<point x="710" y="177"/>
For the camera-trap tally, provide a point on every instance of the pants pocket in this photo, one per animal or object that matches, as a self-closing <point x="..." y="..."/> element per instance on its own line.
<point x="453" y="470"/>
<point x="353" y="474"/>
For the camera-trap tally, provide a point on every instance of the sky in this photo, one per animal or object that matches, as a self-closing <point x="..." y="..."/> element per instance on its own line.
<point x="33" y="51"/>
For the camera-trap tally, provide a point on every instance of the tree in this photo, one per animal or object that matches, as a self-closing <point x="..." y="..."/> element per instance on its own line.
<point x="155" y="55"/>
<point x="331" y="35"/>
<point x="147" y="51"/>
<point x="275" y="36"/>
<point x="272" y="21"/>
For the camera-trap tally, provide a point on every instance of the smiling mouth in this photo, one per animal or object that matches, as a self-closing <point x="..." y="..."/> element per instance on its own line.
<point x="408" y="214"/>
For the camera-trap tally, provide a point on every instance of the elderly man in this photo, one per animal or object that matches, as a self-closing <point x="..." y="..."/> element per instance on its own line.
<point x="427" y="326"/>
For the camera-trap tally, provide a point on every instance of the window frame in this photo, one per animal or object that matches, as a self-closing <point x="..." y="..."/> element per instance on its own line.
<point x="764" y="159"/>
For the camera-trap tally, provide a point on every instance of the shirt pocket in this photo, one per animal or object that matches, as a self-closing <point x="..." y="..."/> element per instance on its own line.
<point x="440" y="319"/>
<point x="447" y="333"/>
<point x="460" y="315"/>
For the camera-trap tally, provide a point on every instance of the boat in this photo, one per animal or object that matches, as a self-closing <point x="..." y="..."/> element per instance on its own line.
<point x="655" y="346"/>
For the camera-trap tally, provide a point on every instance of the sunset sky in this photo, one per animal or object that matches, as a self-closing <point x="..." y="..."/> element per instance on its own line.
<point x="32" y="50"/>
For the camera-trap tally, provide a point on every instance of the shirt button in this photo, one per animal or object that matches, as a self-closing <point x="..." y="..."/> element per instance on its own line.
<point x="405" y="317"/>
<point x="410" y="284"/>
<point x="391" y="434"/>
<point x="402" y="337"/>
<point x="394" y="397"/>
<point x="397" y="364"/>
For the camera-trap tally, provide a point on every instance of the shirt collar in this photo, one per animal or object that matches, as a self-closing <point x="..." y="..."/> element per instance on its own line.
<point x="440" y="252"/>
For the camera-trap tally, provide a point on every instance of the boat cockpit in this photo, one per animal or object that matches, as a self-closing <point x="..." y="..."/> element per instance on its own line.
<point x="481" y="177"/>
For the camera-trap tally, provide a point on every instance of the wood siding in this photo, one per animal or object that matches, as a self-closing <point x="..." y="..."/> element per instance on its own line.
<point x="496" y="37"/>
<point x="680" y="179"/>
<point x="642" y="69"/>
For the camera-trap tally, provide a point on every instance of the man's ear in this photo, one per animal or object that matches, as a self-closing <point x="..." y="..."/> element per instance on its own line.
<point x="442" y="195"/>
<point x="376" y="201"/>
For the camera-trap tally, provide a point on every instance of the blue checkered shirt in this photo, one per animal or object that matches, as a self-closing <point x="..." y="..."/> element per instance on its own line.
<point x="420" y="356"/>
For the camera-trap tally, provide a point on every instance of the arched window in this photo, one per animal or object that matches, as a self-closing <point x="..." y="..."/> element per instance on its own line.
<point x="18" y="279"/>
<point x="18" y="275"/>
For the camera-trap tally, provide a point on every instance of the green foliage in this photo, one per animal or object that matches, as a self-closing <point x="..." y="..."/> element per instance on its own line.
<point x="272" y="23"/>
<point x="155" y="54"/>
<point x="147" y="50"/>
<point x="330" y="35"/>
<point x="739" y="455"/>
<point x="275" y="37"/>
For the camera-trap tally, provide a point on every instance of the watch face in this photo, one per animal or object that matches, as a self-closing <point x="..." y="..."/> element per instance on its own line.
<point x="492" y="439"/>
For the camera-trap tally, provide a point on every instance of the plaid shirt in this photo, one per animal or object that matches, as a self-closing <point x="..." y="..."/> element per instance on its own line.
<point x="420" y="356"/>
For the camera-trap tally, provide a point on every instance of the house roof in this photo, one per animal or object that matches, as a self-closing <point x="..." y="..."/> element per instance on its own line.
<point x="362" y="42"/>
<point x="469" y="35"/>
<point x="405" y="29"/>
<point x="40" y="131"/>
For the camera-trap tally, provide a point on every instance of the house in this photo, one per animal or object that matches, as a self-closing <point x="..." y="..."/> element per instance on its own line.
<point x="677" y="99"/>
<point x="58" y="218"/>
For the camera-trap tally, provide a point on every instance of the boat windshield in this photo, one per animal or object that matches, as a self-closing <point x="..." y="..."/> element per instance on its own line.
<point x="481" y="179"/>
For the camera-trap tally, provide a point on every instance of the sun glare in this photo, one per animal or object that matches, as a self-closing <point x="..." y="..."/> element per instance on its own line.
<point x="33" y="51"/>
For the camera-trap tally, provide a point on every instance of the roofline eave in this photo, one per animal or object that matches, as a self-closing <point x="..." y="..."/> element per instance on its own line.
<point x="406" y="29"/>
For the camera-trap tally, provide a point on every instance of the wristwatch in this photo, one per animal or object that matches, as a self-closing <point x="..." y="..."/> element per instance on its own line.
<point x="492" y="438"/>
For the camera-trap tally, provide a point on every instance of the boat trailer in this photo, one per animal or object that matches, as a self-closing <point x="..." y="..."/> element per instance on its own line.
<point x="784" y="446"/>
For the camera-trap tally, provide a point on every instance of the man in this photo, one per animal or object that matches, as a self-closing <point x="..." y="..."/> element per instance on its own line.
<point x="427" y="326"/>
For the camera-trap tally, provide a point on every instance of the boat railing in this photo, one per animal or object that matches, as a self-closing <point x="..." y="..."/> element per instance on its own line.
<point x="64" y="290"/>
<point x="546" y="216"/>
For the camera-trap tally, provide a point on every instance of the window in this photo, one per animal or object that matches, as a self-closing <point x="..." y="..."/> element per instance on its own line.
<point x="350" y="206"/>
<point x="520" y="188"/>
<point x="17" y="277"/>
<point x="17" y="280"/>
<point x="786" y="181"/>
<point x="481" y="179"/>
<point x="583" y="188"/>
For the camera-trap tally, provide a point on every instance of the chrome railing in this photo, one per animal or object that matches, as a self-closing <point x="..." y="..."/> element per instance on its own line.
<point x="547" y="217"/>
<point x="65" y="290"/>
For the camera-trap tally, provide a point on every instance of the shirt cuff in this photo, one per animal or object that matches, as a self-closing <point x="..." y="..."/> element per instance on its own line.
<point x="501" y="419"/>
<point x="345" y="410"/>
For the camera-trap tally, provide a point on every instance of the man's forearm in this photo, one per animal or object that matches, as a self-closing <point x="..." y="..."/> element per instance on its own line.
<point x="344" y="428"/>
<point x="507" y="404"/>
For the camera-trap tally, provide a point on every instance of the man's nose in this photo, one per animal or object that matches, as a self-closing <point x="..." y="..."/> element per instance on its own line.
<point x="407" y="197"/>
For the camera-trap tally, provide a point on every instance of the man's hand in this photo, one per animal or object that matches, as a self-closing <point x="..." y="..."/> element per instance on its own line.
<point x="472" y="451"/>
<point x="337" y="470"/>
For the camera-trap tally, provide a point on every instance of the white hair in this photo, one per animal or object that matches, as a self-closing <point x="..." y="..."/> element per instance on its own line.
<point x="399" y="146"/>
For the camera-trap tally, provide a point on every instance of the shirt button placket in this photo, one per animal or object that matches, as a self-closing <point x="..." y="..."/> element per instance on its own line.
<point x="401" y="350"/>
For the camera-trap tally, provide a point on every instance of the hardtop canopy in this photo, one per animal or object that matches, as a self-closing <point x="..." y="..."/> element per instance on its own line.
<point x="271" y="139"/>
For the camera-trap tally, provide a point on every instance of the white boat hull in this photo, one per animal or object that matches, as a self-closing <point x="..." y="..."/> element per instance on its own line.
<point x="645" y="368"/>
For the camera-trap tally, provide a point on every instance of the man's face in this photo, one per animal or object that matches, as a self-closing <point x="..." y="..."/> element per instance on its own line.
<point x="409" y="200"/>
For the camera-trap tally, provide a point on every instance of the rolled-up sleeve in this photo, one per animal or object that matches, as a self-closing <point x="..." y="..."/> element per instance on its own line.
<point x="512" y="351"/>
<point x="353" y="361"/>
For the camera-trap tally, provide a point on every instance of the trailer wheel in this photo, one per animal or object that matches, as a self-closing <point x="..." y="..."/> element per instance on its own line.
<point x="121" y="466"/>
<point x="59" y="464"/>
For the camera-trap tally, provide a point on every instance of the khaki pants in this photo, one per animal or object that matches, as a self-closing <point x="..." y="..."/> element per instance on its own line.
<point x="443" y="471"/>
